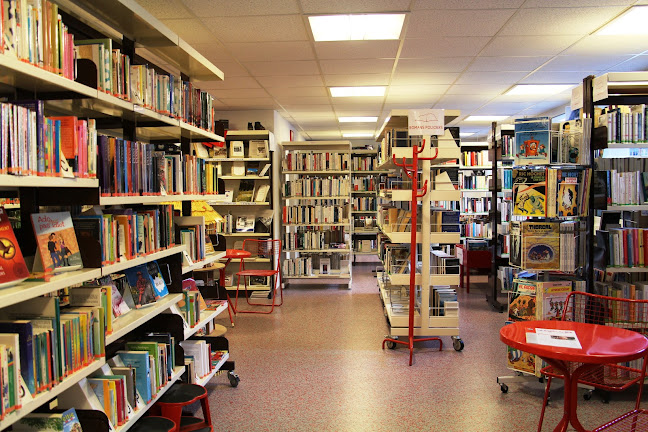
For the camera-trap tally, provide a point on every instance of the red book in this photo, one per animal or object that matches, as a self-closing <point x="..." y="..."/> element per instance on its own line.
<point x="69" y="139"/>
<point x="12" y="264"/>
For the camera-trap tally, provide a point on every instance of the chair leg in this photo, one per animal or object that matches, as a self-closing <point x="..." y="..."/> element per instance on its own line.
<point x="544" y="403"/>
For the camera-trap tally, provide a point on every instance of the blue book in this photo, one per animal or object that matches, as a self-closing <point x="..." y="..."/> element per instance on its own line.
<point x="26" y="339"/>
<point x="532" y="141"/>
<point x="159" y="286"/>
<point x="140" y="361"/>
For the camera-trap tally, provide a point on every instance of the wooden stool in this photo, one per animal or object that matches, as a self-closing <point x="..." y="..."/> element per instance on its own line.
<point x="180" y="395"/>
<point x="220" y="267"/>
<point x="154" y="424"/>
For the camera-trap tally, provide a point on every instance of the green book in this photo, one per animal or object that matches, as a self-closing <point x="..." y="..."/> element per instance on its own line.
<point x="152" y="349"/>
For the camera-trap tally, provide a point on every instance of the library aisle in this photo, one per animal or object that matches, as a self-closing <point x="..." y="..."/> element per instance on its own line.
<point x="316" y="364"/>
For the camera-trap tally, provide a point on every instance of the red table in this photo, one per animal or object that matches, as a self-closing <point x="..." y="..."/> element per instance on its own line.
<point x="600" y="345"/>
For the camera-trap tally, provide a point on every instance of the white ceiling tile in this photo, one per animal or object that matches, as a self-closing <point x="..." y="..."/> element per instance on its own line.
<point x="408" y="90"/>
<point x="231" y="69"/>
<point x="429" y="65"/>
<point x="298" y="91"/>
<point x="359" y="105"/>
<point x="301" y="100"/>
<point x="501" y="64"/>
<point x="162" y="9"/>
<point x="217" y="104"/>
<point x="574" y="3"/>
<point x="322" y="135"/>
<point x="193" y="31"/>
<point x="398" y="106"/>
<point x="455" y="22"/>
<point x="416" y="79"/>
<point x="302" y="109"/>
<point x="356" y="49"/>
<point x="314" y="117"/>
<point x="362" y="66"/>
<point x="609" y="45"/>
<point x="232" y="8"/>
<point x="280" y="68"/>
<point x="359" y="113"/>
<point x="506" y="108"/>
<point x="271" y="51"/>
<point x="291" y="81"/>
<point x="477" y="89"/>
<point x="466" y="4"/>
<point x="414" y="99"/>
<point x="559" y="21"/>
<point x="230" y="83"/>
<point x="490" y="77"/>
<point x="315" y="122"/>
<point x="357" y="80"/>
<point x="241" y="93"/>
<point x="528" y="45"/>
<point x="551" y="77"/>
<point x="250" y="103"/>
<point x="441" y="46"/>
<point x="581" y="63"/>
<point x="358" y="6"/>
<point x="638" y="63"/>
<point x="258" y="28"/>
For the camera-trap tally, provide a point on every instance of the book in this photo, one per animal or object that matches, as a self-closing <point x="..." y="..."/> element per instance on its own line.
<point x="244" y="224"/>
<point x="532" y="140"/>
<point x="258" y="148"/>
<point x="529" y="192"/>
<point x="139" y="360"/>
<point x="522" y="301"/>
<point x="265" y="170"/>
<point x="13" y="269"/>
<point x="540" y="245"/>
<point x="159" y="286"/>
<point x="568" y="192"/>
<point x="261" y="193"/>
<point x="245" y="191"/>
<point x="141" y="285"/>
<point x="66" y="421"/>
<point x="57" y="243"/>
<point x="236" y="149"/>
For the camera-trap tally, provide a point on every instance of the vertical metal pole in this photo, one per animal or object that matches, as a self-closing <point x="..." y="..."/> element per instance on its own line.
<point x="588" y="112"/>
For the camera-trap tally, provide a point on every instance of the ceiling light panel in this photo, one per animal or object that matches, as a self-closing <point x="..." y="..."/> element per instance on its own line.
<point x="631" y="22"/>
<point x="357" y="91"/>
<point x="356" y="27"/>
<point x="358" y="134"/>
<point x="357" y="119"/>
<point x="485" y="118"/>
<point x="538" y="89"/>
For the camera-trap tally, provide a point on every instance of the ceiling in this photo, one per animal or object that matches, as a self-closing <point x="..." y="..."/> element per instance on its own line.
<point x="452" y="54"/>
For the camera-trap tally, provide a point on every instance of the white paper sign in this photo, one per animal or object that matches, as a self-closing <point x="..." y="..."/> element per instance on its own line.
<point x="577" y="97"/>
<point x="600" y="88"/>
<point x="557" y="338"/>
<point x="425" y="121"/>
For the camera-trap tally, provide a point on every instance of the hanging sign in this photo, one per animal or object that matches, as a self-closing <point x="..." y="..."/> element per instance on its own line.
<point x="425" y="121"/>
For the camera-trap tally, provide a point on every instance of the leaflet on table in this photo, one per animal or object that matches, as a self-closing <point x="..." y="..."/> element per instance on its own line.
<point x="553" y="337"/>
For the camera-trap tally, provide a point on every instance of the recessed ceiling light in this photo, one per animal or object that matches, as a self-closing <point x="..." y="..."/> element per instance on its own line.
<point x="631" y="22"/>
<point x="357" y="119"/>
<point x="358" y="135"/>
<point x="356" y="27"/>
<point x="485" y="118"/>
<point x="466" y="134"/>
<point x="538" y="89"/>
<point x="357" y="91"/>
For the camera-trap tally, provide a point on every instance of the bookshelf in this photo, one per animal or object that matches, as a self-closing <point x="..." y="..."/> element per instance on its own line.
<point x="474" y="178"/>
<point x="317" y="231"/>
<point x="415" y="269"/>
<point x="124" y="22"/>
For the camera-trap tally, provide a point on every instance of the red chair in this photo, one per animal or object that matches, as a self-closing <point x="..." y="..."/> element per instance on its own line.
<point x="270" y="249"/>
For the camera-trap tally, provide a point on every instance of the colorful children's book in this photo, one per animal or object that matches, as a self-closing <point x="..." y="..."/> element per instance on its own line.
<point x="540" y="245"/>
<point x="57" y="243"/>
<point x="532" y="140"/>
<point x="13" y="269"/>
<point x="159" y="286"/>
<point x="139" y="360"/>
<point x="568" y="192"/>
<point x="66" y="421"/>
<point x="141" y="285"/>
<point x="529" y="192"/>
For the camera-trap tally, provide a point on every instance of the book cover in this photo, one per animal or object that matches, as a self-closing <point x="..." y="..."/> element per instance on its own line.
<point x="532" y="137"/>
<point x="152" y="348"/>
<point x="541" y="245"/>
<point x="141" y="285"/>
<point x="159" y="286"/>
<point x="529" y="192"/>
<point x="236" y="149"/>
<point x="522" y="301"/>
<point x="66" y="421"/>
<point x="245" y="191"/>
<point x="57" y="243"/>
<point x="139" y="360"/>
<point x="12" y="264"/>
<point x="568" y="192"/>
<point x="552" y="299"/>
<point x="570" y="141"/>
<point x="26" y="339"/>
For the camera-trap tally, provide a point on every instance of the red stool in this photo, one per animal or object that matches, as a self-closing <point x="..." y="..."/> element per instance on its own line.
<point x="180" y="395"/>
<point x="270" y="249"/>
<point x="154" y="424"/>
<point x="231" y="254"/>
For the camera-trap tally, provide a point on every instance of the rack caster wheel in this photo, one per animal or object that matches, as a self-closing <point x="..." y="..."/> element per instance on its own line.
<point x="457" y="344"/>
<point x="587" y="395"/>
<point x="233" y="379"/>
<point x="504" y="388"/>
<point x="391" y="345"/>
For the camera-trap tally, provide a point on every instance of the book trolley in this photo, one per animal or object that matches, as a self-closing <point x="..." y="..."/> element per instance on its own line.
<point x="410" y="300"/>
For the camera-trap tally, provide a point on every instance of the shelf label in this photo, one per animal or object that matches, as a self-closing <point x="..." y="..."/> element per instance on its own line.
<point x="577" y="97"/>
<point x="425" y="121"/>
<point x="600" y="88"/>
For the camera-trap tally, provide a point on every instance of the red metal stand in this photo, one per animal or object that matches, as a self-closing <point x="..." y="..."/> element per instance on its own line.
<point x="411" y="170"/>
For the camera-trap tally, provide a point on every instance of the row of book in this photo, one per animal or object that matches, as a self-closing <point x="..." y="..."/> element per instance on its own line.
<point x="249" y="190"/>
<point x="32" y="144"/>
<point x="365" y="245"/>
<point x="364" y="204"/>
<point x="304" y="160"/>
<point x="314" y="239"/>
<point x="475" y="158"/>
<point x="507" y="146"/>
<point x="469" y="181"/>
<point x="624" y="247"/>
<point x="364" y="184"/>
<point x="332" y="264"/>
<point x="300" y="266"/>
<point x="475" y="205"/>
<point x="364" y="163"/>
<point x="190" y="232"/>
<point x="364" y="222"/>
<point x="444" y="301"/>
<point x="34" y="32"/>
<point x="445" y="221"/>
<point x="624" y="123"/>
<point x="505" y="177"/>
<point x="315" y="214"/>
<point x="476" y="229"/>
<point x="318" y="186"/>
<point x="551" y="192"/>
<point x="625" y="311"/>
<point x="443" y="263"/>
<point x="624" y="188"/>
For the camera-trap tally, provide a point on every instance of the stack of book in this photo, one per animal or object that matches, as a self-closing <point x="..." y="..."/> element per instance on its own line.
<point x="313" y="238"/>
<point x="300" y="160"/>
<point x="317" y="186"/>
<point x="302" y="266"/>
<point x="364" y="163"/>
<point x="324" y="213"/>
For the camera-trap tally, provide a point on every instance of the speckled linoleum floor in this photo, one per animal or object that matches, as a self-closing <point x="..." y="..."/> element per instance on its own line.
<point x="316" y="364"/>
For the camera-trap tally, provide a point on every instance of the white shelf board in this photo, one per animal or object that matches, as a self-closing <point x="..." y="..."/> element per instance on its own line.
<point x="13" y="181"/>
<point x="204" y="380"/>
<point x="153" y="199"/>
<point x="342" y="146"/>
<point x="117" y="267"/>
<point x="627" y="145"/>
<point x="240" y="134"/>
<point x="627" y="269"/>
<point x="628" y="207"/>
<point x="361" y="192"/>
<point x="473" y="213"/>
<point x="136" y="317"/>
<point x="31" y="289"/>
<point x="42" y="398"/>
<point x="363" y="151"/>
<point x="316" y="224"/>
<point x="251" y="177"/>
<point x="441" y="238"/>
<point x="346" y="251"/>
<point x="331" y="197"/>
<point x="374" y="252"/>
<point x="243" y="159"/>
<point x="373" y="231"/>
<point x="243" y="204"/>
<point x="210" y="315"/>
<point x="246" y="234"/>
<point x="367" y="172"/>
<point x="200" y="264"/>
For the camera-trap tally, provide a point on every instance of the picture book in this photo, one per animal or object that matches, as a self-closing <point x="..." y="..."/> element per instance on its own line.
<point x="159" y="286"/>
<point x="245" y="191"/>
<point x="552" y="297"/>
<point x="522" y="301"/>
<point x="12" y="264"/>
<point x="532" y="140"/>
<point x="236" y="149"/>
<point x="66" y="421"/>
<point x="529" y="192"/>
<point x="139" y="360"/>
<point x="258" y="148"/>
<point x="520" y="360"/>
<point x="568" y="192"/>
<point x="26" y="350"/>
<point x="119" y="305"/>
<point x="141" y="285"/>
<point x="570" y="142"/>
<point x="10" y="354"/>
<point x="515" y="257"/>
<point x="540" y="245"/>
<point x="123" y="288"/>
<point x="57" y="243"/>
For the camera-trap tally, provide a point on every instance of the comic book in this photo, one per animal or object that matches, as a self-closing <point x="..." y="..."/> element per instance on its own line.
<point x="529" y="192"/>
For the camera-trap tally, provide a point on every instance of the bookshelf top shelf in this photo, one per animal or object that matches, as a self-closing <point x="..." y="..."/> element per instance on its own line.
<point x="620" y="87"/>
<point x="126" y="17"/>
<point x="12" y="181"/>
<point x="397" y="119"/>
<point x="322" y="146"/>
<point x="247" y="134"/>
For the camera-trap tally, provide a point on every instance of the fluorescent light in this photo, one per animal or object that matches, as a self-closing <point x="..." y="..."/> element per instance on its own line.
<point x="357" y="135"/>
<point x="485" y="118"/>
<point x="357" y="119"/>
<point x="357" y="91"/>
<point x="631" y="22"/>
<point x="537" y="89"/>
<point x="466" y="134"/>
<point x="356" y="27"/>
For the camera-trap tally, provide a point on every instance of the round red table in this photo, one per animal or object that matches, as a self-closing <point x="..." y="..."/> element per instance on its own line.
<point x="600" y="344"/>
